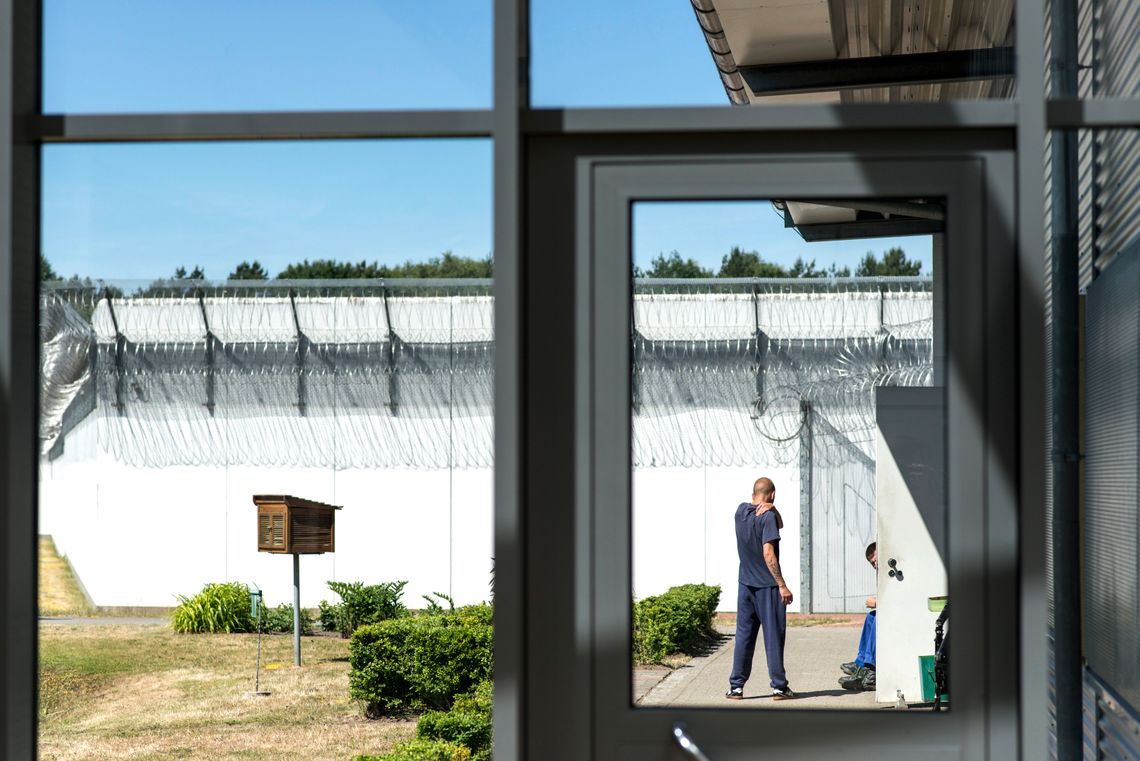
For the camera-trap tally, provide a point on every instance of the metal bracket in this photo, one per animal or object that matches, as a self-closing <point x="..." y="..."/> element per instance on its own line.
<point x="390" y="356"/>
<point x="120" y="357"/>
<point x="211" y="339"/>
<point x="761" y="353"/>
<point x="302" y="351"/>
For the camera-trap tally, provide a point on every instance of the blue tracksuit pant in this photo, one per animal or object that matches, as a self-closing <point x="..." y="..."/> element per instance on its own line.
<point x="866" y="656"/>
<point x="756" y="608"/>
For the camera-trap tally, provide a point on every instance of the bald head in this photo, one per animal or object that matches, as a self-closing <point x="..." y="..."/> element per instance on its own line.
<point x="763" y="488"/>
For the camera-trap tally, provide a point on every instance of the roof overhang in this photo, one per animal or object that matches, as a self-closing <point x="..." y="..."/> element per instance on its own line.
<point x="859" y="50"/>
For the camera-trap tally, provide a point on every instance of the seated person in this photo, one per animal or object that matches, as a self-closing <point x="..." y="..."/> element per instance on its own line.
<point x="860" y="673"/>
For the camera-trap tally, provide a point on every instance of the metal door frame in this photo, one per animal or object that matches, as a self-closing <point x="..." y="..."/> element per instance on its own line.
<point x="577" y="625"/>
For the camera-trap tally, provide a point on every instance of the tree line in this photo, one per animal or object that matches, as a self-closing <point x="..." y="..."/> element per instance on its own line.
<point x="740" y="263"/>
<point x="737" y="263"/>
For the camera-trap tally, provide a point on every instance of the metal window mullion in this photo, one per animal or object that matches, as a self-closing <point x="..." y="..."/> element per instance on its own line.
<point x="314" y="125"/>
<point x="993" y="114"/>
<point x="20" y="27"/>
<point x="1032" y="612"/>
<point x="1093" y="113"/>
<point x="511" y="69"/>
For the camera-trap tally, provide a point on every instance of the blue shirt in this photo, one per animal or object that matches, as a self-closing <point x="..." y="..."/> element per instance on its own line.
<point x="752" y="533"/>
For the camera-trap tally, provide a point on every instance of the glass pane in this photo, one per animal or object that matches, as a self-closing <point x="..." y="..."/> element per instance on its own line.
<point x="752" y="52"/>
<point x="265" y="56"/>
<point x="788" y="453"/>
<point x="178" y="408"/>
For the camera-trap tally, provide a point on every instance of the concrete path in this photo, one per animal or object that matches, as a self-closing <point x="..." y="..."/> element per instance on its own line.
<point x="811" y="659"/>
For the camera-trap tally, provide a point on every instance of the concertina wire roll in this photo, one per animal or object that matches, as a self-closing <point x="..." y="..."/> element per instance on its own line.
<point x="400" y="374"/>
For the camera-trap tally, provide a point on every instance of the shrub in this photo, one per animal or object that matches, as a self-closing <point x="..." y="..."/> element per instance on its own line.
<point x="468" y="723"/>
<point x="280" y="619"/>
<point x="217" y="608"/>
<point x="672" y="622"/>
<point x="419" y="662"/>
<point x="362" y="604"/>
<point x="422" y="750"/>
<point x="434" y="607"/>
<point x="482" y="613"/>
<point x="330" y="615"/>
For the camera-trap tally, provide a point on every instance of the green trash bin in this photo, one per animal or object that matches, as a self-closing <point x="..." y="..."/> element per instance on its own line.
<point x="926" y="669"/>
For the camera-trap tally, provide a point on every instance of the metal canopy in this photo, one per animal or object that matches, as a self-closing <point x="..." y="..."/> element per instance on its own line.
<point x="906" y="50"/>
<point x="828" y="220"/>
<point x="879" y="71"/>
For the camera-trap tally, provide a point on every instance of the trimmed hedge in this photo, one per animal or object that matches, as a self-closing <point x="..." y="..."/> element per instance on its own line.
<point x="423" y="750"/>
<point x="672" y="622"/>
<point x="468" y="723"/>
<point x="420" y="662"/>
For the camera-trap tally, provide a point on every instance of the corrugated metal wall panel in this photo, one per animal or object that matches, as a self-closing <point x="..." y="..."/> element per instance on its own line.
<point x="1051" y="680"/>
<point x="1116" y="66"/>
<point x="1117" y="208"/>
<point x="1111" y="728"/>
<point x="1111" y="604"/>
<point x="1086" y="208"/>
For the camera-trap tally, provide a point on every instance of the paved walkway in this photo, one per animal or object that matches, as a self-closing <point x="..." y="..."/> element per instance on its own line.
<point x="812" y="655"/>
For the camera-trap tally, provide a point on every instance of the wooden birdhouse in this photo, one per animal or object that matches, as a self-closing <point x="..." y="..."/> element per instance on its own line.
<point x="290" y="525"/>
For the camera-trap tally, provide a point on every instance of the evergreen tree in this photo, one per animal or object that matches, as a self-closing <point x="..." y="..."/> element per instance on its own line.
<point x="893" y="264"/>
<point x="448" y="265"/>
<point x="739" y="263"/>
<point x="47" y="272"/>
<point x="247" y="271"/>
<point x="196" y="274"/>
<point x="800" y="268"/>
<point x="674" y="266"/>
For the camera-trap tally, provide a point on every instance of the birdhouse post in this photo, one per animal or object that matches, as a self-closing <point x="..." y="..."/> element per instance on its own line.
<point x="288" y="525"/>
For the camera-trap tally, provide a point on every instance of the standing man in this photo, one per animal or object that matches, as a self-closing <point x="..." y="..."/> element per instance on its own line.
<point x="763" y="595"/>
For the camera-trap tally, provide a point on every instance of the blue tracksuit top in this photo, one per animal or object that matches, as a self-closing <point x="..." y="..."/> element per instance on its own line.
<point x="752" y="534"/>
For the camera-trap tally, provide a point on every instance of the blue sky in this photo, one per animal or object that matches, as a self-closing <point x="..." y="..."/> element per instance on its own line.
<point x="139" y="211"/>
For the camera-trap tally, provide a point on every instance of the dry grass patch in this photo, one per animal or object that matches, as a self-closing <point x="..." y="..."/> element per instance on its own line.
<point x="144" y="692"/>
<point x="59" y="592"/>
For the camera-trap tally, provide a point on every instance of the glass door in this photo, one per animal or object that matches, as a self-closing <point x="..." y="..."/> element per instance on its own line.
<point x="791" y="449"/>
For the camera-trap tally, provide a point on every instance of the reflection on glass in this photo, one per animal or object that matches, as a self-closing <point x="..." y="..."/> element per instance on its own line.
<point x="788" y="497"/>
<point x="747" y="52"/>
<point x="170" y="398"/>
<point x="264" y="55"/>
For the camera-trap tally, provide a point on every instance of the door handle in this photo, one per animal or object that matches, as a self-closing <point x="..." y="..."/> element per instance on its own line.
<point x="686" y="743"/>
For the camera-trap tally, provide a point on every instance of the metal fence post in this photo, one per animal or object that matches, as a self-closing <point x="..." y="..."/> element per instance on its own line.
<point x="805" y="508"/>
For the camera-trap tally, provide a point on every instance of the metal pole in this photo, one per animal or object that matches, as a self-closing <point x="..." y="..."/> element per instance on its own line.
<point x="805" y="509"/>
<point x="257" y="671"/>
<point x="1065" y="388"/>
<point x="296" y="609"/>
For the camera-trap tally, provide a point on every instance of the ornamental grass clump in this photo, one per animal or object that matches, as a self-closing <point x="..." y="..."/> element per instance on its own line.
<point x="217" y="608"/>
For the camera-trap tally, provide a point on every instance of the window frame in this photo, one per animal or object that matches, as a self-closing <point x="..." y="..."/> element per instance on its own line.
<point x="513" y="126"/>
